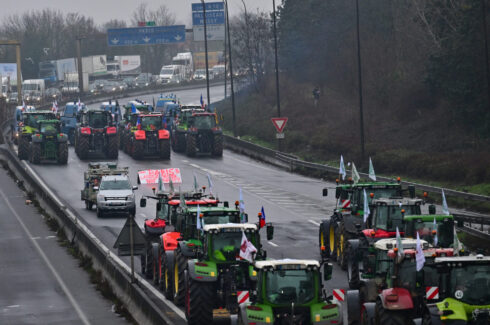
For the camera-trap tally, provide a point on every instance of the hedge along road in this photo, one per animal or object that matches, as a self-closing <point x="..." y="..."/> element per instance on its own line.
<point x="293" y="203"/>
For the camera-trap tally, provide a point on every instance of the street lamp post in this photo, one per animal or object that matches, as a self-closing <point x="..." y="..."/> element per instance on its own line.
<point x="278" y="98"/>
<point x="206" y="50"/>
<point x="231" y="71"/>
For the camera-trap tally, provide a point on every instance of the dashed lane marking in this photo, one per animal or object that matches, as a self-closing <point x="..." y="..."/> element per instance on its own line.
<point x="314" y="222"/>
<point x="272" y="244"/>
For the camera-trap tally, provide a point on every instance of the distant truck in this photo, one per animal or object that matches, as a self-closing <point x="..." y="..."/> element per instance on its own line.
<point x="186" y="62"/>
<point x="171" y="74"/>
<point x="95" y="65"/>
<point x="33" y="91"/>
<point x="54" y="71"/>
<point x="128" y="64"/>
<point x="113" y="69"/>
<point x="70" y="84"/>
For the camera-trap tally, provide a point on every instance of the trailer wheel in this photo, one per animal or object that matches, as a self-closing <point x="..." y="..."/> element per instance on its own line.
<point x="200" y="302"/>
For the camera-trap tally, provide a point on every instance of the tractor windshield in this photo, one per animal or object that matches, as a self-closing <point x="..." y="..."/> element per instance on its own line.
<point x="48" y="128"/>
<point x="32" y="119"/>
<point x="98" y="120"/>
<point x="151" y="123"/>
<point x="220" y="217"/>
<point x="389" y="217"/>
<point x="284" y="287"/>
<point x="226" y="244"/>
<point x="204" y="122"/>
<point x="428" y="230"/>
<point x="471" y="284"/>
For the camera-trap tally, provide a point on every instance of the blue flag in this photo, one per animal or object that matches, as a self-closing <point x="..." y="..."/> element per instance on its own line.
<point x="133" y="108"/>
<point x="202" y="102"/>
<point x="138" y="122"/>
<point x="262" y="218"/>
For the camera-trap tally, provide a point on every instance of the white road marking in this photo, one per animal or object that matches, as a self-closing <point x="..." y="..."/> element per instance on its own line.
<point x="314" y="222"/>
<point x="60" y="281"/>
<point x="13" y="306"/>
<point x="272" y="244"/>
<point x="49" y="237"/>
<point x="36" y="238"/>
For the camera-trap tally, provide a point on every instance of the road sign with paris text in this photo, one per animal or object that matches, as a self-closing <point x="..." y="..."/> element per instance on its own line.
<point x="279" y="123"/>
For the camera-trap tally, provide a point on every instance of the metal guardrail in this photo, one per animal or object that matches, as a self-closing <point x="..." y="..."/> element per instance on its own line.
<point x="293" y="163"/>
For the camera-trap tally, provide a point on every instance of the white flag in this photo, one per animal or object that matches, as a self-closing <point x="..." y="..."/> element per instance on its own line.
<point x="241" y="205"/>
<point x="196" y="186"/>
<point x="419" y="256"/>
<point x="435" y="229"/>
<point x="355" y="174"/>
<point x="198" y="215"/>
<point x="445" y="209"/>
<point x="247" y="249"/>
<point x="372" y="175"/>
<point x="210" y="183"/>
<point x="171" y="184"/>
<point x="456" y="243"/>
<point x="366" y="206"/>
<point x="161" y="185"/>
<point x="399" y="244"/>
<point x="342" y="168"/>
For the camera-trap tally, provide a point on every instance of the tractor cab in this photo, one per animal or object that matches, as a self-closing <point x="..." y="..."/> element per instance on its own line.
<point x="387" y="216"/>
<point x="290" y="292"/>
<point x="48" y="128"/>
<point x="463" y="290"/>
<point x="96" y="119"/>
<point x="113" y="108"/>
<point x="431" y="227"/>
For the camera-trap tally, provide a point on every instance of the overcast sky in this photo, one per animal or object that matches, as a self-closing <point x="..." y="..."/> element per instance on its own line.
<point x="105" y="10"/>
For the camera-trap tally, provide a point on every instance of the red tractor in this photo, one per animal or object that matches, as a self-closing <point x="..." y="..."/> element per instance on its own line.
<point x="149" y="137"/>
<point x="393" y="292"/>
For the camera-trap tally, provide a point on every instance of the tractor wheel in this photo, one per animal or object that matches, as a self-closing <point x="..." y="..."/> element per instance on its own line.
<point x="180" y="264"/>
<point x="190" y="146"/>
<point x="35" y="154"/>
<point x="138" y="150"/>
<point x="112" y="147"/>
<point x="218" y="145"/>
<point x="353" y="302"/>
<point x="63" y="153"/>
<point x="389" y="317"/>
<point x="199" y="302"/>
<point x="352" y="269"/>
<point x="178" y="142"/>
<point x="341" y="246"/>
<point x="167" y="279"/>
<point x="23" y="149"/>
<point x="82" y="145"/>
<point x="165" y="149"/>
<point x="128" y="145"/>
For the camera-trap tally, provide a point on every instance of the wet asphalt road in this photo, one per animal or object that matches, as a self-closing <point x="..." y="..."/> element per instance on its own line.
<point x="41" y="283"/>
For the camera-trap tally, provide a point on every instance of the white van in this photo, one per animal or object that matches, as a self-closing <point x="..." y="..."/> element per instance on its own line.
<point x="170" y="74"/>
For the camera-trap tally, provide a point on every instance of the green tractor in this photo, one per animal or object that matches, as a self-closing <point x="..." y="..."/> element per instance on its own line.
<point x="431" y="226"/>
<point x="341" y="226"/>
<point x="27" y="127"/>
<point x="92" y="177"/>
<point x="464" y="291"/>
<point x="197" y="132"/>
<point x="218" y="276"/>
<point x="48" y="143"/>
<point x="96" y="133"/>
<point x="290" y="292"/>
<point x="127" y="124"/>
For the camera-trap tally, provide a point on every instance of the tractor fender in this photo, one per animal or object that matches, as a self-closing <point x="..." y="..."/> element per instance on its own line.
<point x="37" y="139"/>
<point x="370" y="312"/>
<point x="186" y="250"/>
<point x="354" y="245"/>
<point x="163" y="134"/>
<point x="204" y="271"/>
<point x="403" y="302"/>
<point x="62" y="138"/>
<point x="353" y="301"/>
<point x="169" y="240"/>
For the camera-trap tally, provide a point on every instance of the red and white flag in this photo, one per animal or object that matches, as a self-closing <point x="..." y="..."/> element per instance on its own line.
<point x="247" y="249"/>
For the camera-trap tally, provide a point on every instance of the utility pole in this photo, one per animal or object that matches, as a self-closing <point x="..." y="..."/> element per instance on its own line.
<point x="206" y="50"/>
<point x="278" y="97"/>
<point x="359" y="69"/>
<point x="484" y="21"/>
<point x="79" y="63"/>
<point x="226" y="61"/>
<point x="231" y="71"/>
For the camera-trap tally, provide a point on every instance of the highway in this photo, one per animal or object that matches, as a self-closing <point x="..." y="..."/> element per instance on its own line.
<point x="293" y="203"/>
<point x="41" y="282"/>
